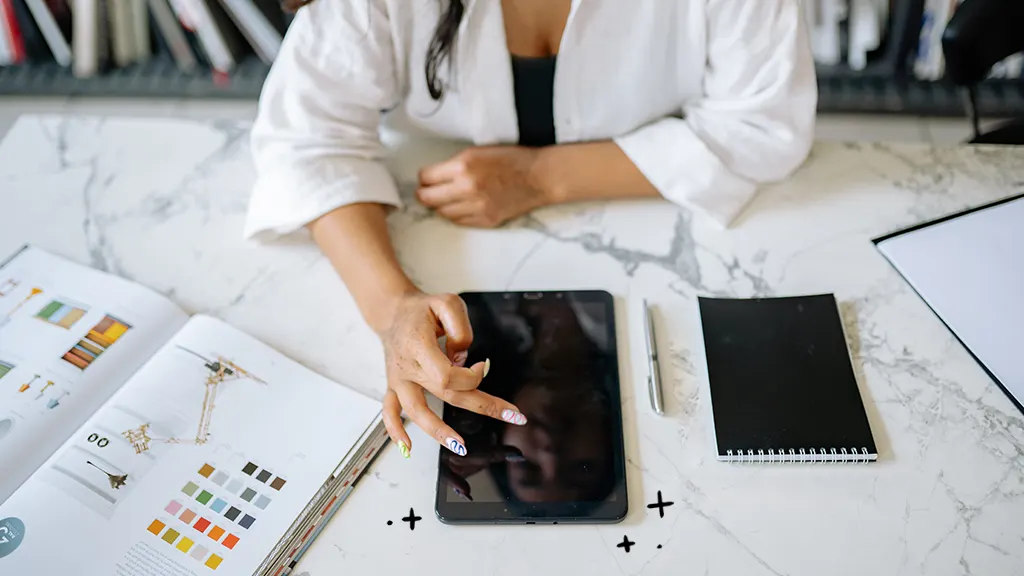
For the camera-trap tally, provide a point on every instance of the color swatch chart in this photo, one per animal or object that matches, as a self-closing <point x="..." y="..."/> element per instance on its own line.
<point x="101" y="337"/>
<point x="63" y="314"/>
<point x="215" y="509"/>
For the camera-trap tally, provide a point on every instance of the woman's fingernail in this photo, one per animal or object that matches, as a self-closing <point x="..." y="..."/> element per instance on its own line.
<point x="463" y="496"/>
<point x="514" y="458"/>
<point x="487" y="367"/>
<point x="459" y="359"/>
<point x="403" y="448"/>
<point x="513" y="417"/>
<point x="455" y="446"/>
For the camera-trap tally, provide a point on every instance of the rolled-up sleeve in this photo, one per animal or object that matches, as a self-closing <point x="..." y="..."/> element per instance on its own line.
<point x="755" y="121"/>
<point x="315" y="142"/>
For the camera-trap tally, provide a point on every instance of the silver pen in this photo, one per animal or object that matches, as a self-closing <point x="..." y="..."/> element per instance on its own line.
<point x="654" y="369"/>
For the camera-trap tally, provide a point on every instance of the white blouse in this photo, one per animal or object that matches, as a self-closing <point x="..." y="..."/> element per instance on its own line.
<point x="708" y="98"/>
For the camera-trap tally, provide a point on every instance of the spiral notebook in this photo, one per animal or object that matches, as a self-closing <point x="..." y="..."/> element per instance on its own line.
<point x="782" y="382"/>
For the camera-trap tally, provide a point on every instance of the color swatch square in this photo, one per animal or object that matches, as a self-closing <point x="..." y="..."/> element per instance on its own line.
<point x="198" y="552"/>
<point x="156" y="526"/>
<point x="204" y="497"/>
<point x="230" y="541"/>
<point x="232" y="513"/>
<point x="234" y="486"/>
<point x="246" y="521"/>
<point x="219" y="478"/>
<point x="172" y="507"/>
<point x="263" y="476"/>
<point x="262" y="502"/>
<point x="247" y="494"/>
<point x="206" y="470"/>
<point x="185" y="545"/>
<point x="218" y="505"/>
<point x="190" y="488"/>
<point x="249" y="468"/>
<point x="202" y="524"/>
<point x="216" y="533"/>
<point x="278" y="483"/>
<point x="187" y="516"/>
<point x="170" y="536"/>
<point x="213" y="561"/>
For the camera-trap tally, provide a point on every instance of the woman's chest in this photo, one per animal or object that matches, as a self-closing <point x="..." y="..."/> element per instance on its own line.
<point x="619" y="67"/>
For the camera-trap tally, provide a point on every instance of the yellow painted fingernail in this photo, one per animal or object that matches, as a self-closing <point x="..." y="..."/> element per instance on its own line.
<point x="403" y="448"/>
<point x="487" y="367"/>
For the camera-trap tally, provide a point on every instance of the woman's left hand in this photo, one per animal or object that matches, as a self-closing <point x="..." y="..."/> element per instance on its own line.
<point x="484" y="187"/>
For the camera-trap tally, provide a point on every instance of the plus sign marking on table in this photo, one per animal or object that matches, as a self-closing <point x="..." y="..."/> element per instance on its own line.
<point x="625" y="544"/>
<point x="412" y="518"/>
<point x="660" y="505"/>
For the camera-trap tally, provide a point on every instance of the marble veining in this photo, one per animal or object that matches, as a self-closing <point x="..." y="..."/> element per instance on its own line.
<point x="163" y="201"/>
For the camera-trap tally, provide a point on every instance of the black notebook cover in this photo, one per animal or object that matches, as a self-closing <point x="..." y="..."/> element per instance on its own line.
<point x="782" y="383"/>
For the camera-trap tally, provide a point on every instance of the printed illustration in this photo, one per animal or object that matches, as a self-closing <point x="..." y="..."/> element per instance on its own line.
<point x="216" y="506"/>
<point x="102" y="336"/>
<point x="63" y="313"/>
<point x="28" y="385"/>
<point x="43" y="390"/>
<point x="54" y="402"/>
<point x="6" y="425"/>
<point x="10" y="313"/>
<point x="5" y="368"/>
<point x="100" y="469"/>
<point x="220" y="372"/>
<point x="116" y="480"/>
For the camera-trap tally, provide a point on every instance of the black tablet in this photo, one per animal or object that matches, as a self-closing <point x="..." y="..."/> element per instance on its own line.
<point x="553" y="355"/>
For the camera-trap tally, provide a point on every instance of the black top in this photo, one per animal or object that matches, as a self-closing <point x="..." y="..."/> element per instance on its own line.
<point x="534" y="84"/>
<point x="781" y="377"/>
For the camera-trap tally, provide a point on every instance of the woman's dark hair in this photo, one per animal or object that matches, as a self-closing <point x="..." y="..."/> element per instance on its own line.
<point x="440" y="49"/>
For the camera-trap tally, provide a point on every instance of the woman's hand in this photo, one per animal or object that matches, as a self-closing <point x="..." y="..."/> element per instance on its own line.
<point x="416" y="363"/>
<point x="484" y="187"/>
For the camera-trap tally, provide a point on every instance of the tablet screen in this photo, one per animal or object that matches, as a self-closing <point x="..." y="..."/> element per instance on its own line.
<point x="553" y="355"/>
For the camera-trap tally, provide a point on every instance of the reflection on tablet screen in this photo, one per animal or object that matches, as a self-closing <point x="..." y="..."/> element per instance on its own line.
<point x="554" y="359"/>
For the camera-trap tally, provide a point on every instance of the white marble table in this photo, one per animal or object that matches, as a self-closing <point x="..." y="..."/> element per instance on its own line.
<point x="162" y="202"/>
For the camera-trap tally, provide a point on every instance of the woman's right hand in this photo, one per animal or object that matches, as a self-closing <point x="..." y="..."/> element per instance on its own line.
<point x="416" y="364"/>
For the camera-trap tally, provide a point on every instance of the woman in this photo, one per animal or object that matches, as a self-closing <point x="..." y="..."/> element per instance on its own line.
<point x="697" y="101"/>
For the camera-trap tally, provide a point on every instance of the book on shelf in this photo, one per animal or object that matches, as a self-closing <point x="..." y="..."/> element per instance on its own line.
<point x="146" y="441"/>
<point x="92" y="36"/>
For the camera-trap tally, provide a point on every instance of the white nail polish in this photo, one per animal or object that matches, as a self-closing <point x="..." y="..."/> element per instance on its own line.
<point x="487" y="367"/>
<point x="513" y="417"/>
<point x="455" y="446"/>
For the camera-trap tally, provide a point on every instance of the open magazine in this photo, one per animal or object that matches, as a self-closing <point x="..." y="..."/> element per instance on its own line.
<point x="135" y="440"/>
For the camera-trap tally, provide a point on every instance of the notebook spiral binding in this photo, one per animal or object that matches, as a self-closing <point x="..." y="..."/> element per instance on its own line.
<point x="801" y="455"/>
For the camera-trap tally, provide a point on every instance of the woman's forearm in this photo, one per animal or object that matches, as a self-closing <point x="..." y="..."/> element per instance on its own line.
<point x="355" y="239"/>
<point x="590" y="171"/>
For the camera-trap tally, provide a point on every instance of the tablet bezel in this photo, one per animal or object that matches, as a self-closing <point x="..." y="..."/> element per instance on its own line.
<point x="612" y="509"/>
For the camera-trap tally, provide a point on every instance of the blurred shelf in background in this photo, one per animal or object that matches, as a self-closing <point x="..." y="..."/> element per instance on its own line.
<point x="838" y="92"/>
<point x="874" y="56"/>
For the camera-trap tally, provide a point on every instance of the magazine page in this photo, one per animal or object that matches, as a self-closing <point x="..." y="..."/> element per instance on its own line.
<point x="206" y="457"/>
<point x="69" y="337"/>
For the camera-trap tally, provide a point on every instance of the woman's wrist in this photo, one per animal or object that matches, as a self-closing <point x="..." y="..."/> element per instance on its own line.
<point x="380" y="314"/>
<point x="544" y="175"/>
